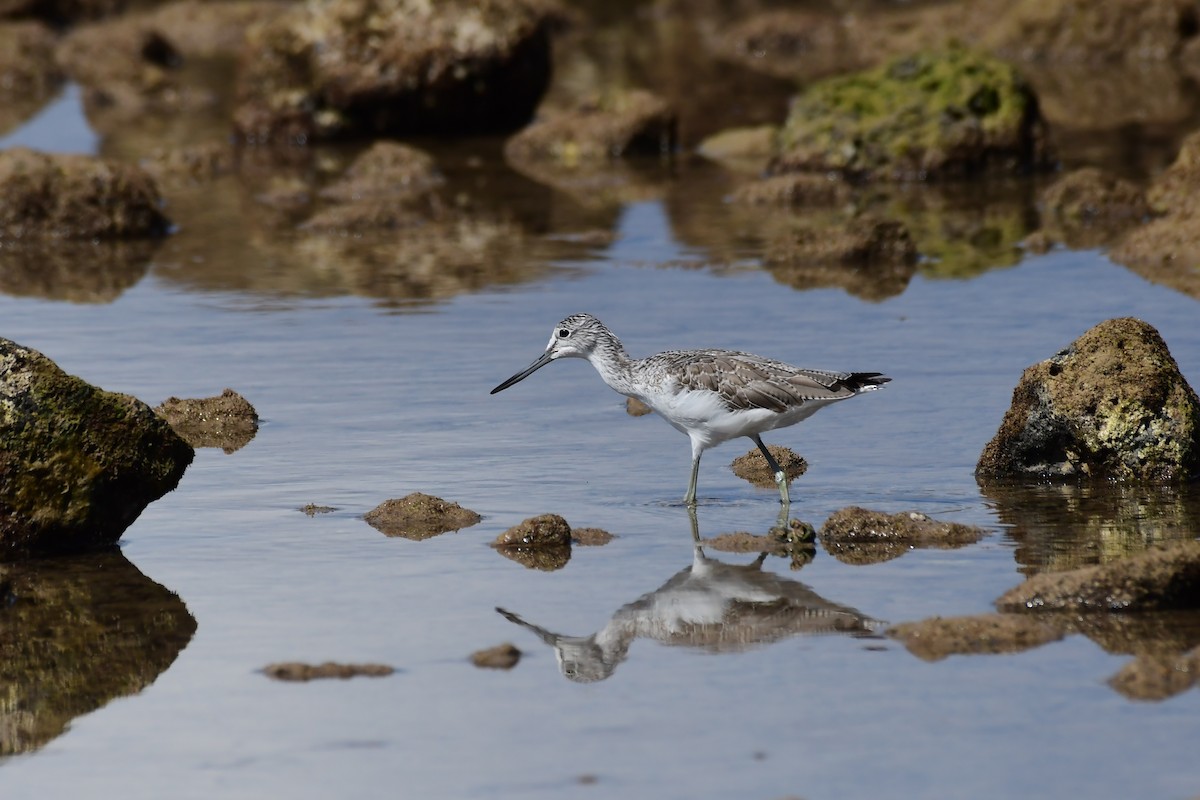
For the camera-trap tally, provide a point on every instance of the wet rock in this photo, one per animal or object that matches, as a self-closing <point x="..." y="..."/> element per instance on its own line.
<point x="393" y="67"/>
<point x="1113" y="405"/>
<point x="386" y="171"/>
<point x="796" y="541"/>
<point x="859" y="536"/>
<point x="794" y="45"/>
<point x="860" y="241"/>
<point x="749" y="148"/>
<point x="1166" y="578"/>
<point x="190" y="165"/>
<point x="795" y="189"/>
<point x="298" y="671"/>
<point x="753" y="467"/>
<point x="29" y="75"/>
<point x="75" y="634"/>
<point x="75" y="197"/>
<point x="613" y="125"/>
<point x="77" y="464"/>
<point x="1158" y="677"/>
<point x="1090" y="208"/>
<point x="1167" y="250"/>
<point x="419" y="516"/>
<point x="312" y="509"/>
<point x="546" y="530"/>
<point x="590" y="537"/>
<point x="502" y="656"/>
<point x="636" y="408"/>
<point x="227" y="421"/>
<point x="545" y="559"/>
<point x="932" y="115"/>
<point x="937" y="637"/>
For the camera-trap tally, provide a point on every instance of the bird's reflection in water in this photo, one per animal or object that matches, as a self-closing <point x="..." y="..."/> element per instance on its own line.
<point x="711" y="605"/>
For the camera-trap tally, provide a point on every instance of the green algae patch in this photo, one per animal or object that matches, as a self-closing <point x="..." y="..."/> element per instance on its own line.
<point x="932" y="115"/>
<point x="77" y="464"/>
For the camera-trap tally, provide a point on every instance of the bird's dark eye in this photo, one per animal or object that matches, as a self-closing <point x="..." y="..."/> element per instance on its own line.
<point x="563" y="333"/>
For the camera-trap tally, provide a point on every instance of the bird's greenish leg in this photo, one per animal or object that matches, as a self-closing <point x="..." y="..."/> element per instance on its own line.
<point x="780" y="477"/>
<point x="690" y="498"/>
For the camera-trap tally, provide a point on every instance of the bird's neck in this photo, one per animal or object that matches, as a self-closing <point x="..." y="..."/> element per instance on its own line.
<point x="612" y="362"/>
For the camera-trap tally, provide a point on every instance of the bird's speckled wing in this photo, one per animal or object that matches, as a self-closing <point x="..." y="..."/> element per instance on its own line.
<point x="747" y="381"/>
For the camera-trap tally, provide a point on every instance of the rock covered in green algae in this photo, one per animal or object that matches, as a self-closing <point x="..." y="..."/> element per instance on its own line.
<point x="1112" y="405"/>
<point x="347" y="68"/>
<point x="77" y="464"/>
<point x="935" y="114"/>
<point x="76" y="197"/>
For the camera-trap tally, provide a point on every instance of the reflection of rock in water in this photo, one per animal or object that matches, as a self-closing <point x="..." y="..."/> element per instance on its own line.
<point x="711" y="605"/>
<point x="75" y="634"/>
<point x="79" y="272"/>
<point x="1063" y="526"/>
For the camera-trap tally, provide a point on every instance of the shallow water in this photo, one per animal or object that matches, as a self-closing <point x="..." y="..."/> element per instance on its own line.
<point x="365" y="399"/>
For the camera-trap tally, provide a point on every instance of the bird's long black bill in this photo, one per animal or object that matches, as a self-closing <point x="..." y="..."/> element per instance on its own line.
<point x="525" y="373"/>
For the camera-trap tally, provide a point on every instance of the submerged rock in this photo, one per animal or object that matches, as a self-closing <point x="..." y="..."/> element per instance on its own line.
<point x="1113" y="405"/>
<point x="370" y="67"/>
<point x="227" y="421"/>
<point x="590" y="537"/>
<point x="419" y="516"/>
<point x="546" y="530"/>
<point x="935" y="114"/>
<point x="298" y="671"/>
<point x="75" y="197"/>
<point x="1161" y="579"/>
<point x="77" y="464"/>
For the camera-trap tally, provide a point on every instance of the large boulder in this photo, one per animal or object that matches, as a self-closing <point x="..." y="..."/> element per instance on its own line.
<point x="347" y="68"/>
<point x="931" y="115"/>
<point x="1112" y="405"/>
<point x="77" y="464"/>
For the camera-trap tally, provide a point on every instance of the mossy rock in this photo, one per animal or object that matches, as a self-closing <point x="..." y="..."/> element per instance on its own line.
<point x="77" y="464"/>
<point x="935" y="114"/>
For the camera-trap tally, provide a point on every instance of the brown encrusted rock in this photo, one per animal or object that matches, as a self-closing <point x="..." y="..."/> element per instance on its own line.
<point x="385" y="170"/>
<point x="545" y="530"/>
<point x="77" y="464"/>
<point x="753" y="467"/>
<point x="75" y="197"/>
<point x="502" y="656"/>
<point x="419" y="516"/>
<point x="227" y="421"/>
<point x="1090" y="207"/>
<point x="590" y="537"/>
<point x="603" y="128"/>
<point x="865" y="241"/>
<point x="1113" y="405"/>
<point x="1151" y="677"/>
<point x="299" y="671"/>
<point x="393" y="67"/>
<point x="795" y="189"/>
<point x="857" y="535"/>
<point x="1160" y="579"/>
<point x="937" y="637"/>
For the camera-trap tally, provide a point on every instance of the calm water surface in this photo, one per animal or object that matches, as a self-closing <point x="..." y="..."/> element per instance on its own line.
<point x="362" y="403"/>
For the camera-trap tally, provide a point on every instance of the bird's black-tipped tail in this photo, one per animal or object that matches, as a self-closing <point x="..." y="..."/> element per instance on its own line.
<point x="864" y="381"/>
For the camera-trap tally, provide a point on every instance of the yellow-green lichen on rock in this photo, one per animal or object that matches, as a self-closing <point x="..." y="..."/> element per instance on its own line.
<point x="77" y="464"/>
<point x="931" y="115"/>
<point x="1112" y="405"/>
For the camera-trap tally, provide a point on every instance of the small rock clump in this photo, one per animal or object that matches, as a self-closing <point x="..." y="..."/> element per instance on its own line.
<point x="77" y="464"/>
<point x="860" y="536"/>
<point x="299" y="672"/>
<point x="1112" y="405"/>
<point x="542" y="542"/>
<point x="227" y="421"/>
<point x="54" y="196"/>
<point x="590" y="537"/>
<point x="419" y="516"/>
<point x="1160" y="579"/>
<point x="753" y="467"/>
<point x="502" y="656"/>
<point x="931" y="115"/>
<point x="600" y="129"/>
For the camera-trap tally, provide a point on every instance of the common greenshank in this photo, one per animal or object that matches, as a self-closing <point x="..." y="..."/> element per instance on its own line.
<point x="711" y="395"/>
